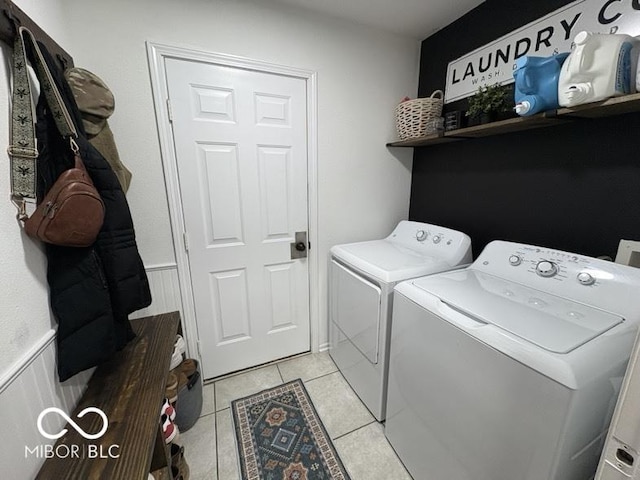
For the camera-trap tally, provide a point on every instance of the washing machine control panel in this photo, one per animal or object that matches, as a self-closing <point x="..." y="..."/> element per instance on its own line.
<point x="553" y="264"/>
<point x="585" y="278"/>
<point x="523" y="262"/>
<point x="545" y="268"/>
<point x="589" y="280"/>
<point x="548" y="263"/>
<point x="515" y="260"/>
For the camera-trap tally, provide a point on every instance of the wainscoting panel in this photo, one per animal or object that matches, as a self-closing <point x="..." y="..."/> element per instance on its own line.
<point x="165" y="291"/>
<point x="25" y="391"/>
<point x="31" y="385"/>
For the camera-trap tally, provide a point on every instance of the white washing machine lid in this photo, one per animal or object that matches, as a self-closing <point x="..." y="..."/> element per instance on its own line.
<point x="388" y="261"/>
<point x="553" y="323"/>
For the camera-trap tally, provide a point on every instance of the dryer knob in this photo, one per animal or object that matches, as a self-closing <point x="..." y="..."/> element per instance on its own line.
<point x="437" y="239"/>
<point x="546" y="268"/>
<point x="421" y="235"/>
<point x="515" y="260"/>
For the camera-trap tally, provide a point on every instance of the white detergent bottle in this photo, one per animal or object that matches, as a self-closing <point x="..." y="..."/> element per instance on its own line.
<point x="599" y="66"/>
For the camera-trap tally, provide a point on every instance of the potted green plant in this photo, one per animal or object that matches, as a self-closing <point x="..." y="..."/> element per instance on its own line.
<point x="489" y="103"/>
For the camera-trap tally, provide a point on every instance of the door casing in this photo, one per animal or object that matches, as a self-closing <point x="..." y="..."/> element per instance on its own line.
<point x="156" y="54"/>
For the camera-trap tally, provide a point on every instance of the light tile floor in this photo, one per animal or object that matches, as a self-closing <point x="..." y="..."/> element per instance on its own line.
<point x="210" y="447"/>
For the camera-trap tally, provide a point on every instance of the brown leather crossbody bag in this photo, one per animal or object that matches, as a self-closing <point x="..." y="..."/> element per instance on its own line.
<point x="72" y="212"/>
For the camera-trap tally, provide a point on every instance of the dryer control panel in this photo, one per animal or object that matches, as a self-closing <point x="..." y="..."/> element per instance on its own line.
<point x="435" y="235"/>
<point x="433" y="240"/>
<point x="582" y="278"/>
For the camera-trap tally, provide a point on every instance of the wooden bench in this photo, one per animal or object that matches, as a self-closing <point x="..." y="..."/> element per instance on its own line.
<point x="129" y="389"/>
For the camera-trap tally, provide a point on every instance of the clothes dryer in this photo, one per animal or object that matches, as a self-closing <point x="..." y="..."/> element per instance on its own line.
<point x="509" y="369"/>
<point x="361" y="281"/>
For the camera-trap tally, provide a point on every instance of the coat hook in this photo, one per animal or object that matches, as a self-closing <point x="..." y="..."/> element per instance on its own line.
<point x="63" y="61"/>
<point x="8" y="12"/>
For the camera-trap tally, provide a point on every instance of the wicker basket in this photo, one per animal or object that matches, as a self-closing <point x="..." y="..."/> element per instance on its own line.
<point x="414" y="118"/>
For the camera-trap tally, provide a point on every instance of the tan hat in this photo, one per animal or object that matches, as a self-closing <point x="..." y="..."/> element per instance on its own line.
<point x="94" y="99"/>
<point x="96" y="103"/>
<point x="106" y="145"/>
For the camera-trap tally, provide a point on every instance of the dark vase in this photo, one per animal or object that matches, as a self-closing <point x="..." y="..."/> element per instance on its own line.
<point x="472" y="121"/>
<point x="481" y="119"/>
<point x="487" y="117"/>
<point x="507" y="114"/>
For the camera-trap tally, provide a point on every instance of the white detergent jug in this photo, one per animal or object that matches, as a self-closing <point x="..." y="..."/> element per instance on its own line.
<point x="600" y="66"/>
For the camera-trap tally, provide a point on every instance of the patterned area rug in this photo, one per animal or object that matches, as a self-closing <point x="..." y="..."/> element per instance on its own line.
<point x="280" y="437"/>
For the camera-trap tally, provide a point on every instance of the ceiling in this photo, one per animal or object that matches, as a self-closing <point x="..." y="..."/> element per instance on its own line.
<point x="413" y="18"/>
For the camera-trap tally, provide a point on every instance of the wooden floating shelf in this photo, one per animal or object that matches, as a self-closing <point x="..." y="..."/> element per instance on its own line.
<point x="605" y="108"/>
<point x="422" y="141"/>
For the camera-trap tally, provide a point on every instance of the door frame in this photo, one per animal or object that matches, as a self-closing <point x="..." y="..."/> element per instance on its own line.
<point x="157" y="53"/>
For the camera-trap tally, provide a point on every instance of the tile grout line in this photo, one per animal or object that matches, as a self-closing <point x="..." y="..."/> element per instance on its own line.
<point x="215" y="403"/>
<point x="275" y="363"/>
<point x="354" y="430"/>
<point x="257" y="367"/>
<point x="223" y="409"/>
<point x="215" y="426"/>
<point x="320" y="376"/>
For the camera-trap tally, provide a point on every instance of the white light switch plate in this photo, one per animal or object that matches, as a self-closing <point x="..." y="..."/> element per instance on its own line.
<point x="628" y="253"/>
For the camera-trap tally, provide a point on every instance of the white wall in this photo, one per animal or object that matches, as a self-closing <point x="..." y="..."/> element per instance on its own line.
<point x="362" y="74"/>
<point x="25" y="317"/>
<point x="28" y="379"/>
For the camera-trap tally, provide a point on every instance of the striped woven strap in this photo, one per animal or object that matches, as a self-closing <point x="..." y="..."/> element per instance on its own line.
<point x="22" y="150"/>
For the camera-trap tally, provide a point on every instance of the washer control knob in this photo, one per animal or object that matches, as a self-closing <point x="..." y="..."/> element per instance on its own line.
<point x="515" y="260"/>
<point x="437" y="238"/>
<point x="586" y="278"/>
<point x="421" y="235"/>
<point x="546" y="268"/>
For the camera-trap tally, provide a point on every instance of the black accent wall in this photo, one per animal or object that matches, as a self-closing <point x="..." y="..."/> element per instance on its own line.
<point x="574" y="187"/>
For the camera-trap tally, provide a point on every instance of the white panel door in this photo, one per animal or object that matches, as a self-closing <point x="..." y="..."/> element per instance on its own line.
<point x="241" y="149"/>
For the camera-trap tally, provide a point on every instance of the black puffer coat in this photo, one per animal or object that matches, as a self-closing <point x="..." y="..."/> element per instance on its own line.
<point x="93" y="289"/>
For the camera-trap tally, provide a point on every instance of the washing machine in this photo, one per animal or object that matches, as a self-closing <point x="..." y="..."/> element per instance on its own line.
<point x="361" y="281"/>
<point x="510" y="368"/>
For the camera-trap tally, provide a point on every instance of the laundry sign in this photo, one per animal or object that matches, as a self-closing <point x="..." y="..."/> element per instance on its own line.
<point x="554" y="33"/>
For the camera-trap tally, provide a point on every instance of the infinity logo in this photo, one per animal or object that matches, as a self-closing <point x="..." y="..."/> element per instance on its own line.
<point x="86" y="435"/>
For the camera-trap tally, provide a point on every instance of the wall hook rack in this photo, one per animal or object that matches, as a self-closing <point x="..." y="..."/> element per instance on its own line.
<point x="11" y="12"/>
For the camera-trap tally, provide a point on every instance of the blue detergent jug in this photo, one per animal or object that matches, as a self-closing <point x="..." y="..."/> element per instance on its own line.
<point x="537" y="83"/>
